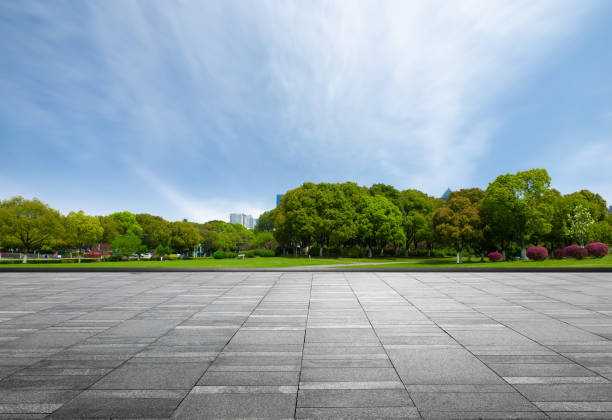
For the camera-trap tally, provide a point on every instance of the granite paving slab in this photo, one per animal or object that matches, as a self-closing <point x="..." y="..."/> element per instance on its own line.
<point x="297" y="345"/>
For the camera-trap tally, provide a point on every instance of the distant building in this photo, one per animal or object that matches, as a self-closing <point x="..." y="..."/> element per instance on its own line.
<point x="446" y="194"/>
<point x="245" y="220"/>
<point x="278" y="199"/>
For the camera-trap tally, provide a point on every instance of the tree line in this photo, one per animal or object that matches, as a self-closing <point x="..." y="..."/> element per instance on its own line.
<point x="33" y="226"/>
<point x="516" y="210"/>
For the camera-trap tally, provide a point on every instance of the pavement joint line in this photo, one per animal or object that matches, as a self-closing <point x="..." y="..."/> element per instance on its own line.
<point x="549" y="317"/>
<point x="297" y="393"/>
<point x="463" y="346"/>
<point x="135" y="354"/>
<point x="382" y="345"/>
<point x="232" y="336"/>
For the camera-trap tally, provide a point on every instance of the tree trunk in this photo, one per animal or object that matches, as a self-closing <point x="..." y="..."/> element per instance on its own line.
<point x="321" y="251"/>
<point x="369" y="252"/>
<point x="25" y="256"/>
<point x="523" y="251"/>
<point x="79" y="254"/>
<point x="382" y="251"/>
<point x="459" y="257"/>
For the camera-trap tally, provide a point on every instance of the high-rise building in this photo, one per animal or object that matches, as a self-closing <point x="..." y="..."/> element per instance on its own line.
<point x="245" y="220"/>
<point x="278" y="199"/>
<point x="446" y="194"/>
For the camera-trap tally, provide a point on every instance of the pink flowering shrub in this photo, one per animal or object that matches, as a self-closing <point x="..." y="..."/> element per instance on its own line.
<point x="537" y="253"/>
<point x="494" y="256"/>
<point x="597" y="249"/>
<point x="559" y="253"/>
<point x="575" y="251"/>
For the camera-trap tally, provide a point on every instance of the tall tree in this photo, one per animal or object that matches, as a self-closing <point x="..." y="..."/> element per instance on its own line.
<point x="82" y="230"/>
<point x="379" y="223"/>
<point x="518" y="205"/>
<point x="184" y="236"/>
<point x="457" y="224"/>
<point x="30" y="224"/>
<point x="417" y="208"/>
<point x="265" y="223"/>
<point x="579" y="223"/>
<point x="155" y="230"/>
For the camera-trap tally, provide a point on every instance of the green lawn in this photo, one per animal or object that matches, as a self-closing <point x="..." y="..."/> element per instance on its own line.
<point x="282" y="262"/>
<point x="257" y="262"/>
<point x="450" y="262"/>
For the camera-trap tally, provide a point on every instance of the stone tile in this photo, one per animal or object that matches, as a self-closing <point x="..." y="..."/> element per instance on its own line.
<point x="354" y="398"/>
<point x="250" y="378"/>
<point x="152" y="376"/>
<point x="476" y="402"/>
<point x="348" y="374"/>
<point x="357" y="413"/>
<point x="199" y="406"/>
<point x="120" y="404"/>
<point x="441" y="366"/>
<point x="567" y="392"/>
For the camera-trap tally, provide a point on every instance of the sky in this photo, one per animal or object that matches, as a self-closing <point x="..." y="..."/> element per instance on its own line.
<point x="192" y="110"/>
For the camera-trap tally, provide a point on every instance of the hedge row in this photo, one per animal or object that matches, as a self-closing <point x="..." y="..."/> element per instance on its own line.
<point x="49" y="261"/>
<point x="249" y="254"/>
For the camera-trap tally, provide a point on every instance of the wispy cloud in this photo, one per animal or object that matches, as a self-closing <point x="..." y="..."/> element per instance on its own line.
<point x="278" y="93"/>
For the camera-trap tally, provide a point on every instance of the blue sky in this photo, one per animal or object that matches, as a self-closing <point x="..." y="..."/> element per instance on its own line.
<point x="192" y="109"/>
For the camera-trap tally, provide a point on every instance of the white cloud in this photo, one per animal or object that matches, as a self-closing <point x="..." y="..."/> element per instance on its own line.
<point x="403" y="86"/>
<point x="195" y="210"/>
<point x="393" y="90"/>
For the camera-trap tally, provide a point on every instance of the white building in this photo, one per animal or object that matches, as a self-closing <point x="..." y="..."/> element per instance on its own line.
<point x="245" y="220"/>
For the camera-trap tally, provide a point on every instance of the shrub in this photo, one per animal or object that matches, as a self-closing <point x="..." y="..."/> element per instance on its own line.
<point x="494" y="256"/>
<point x="219" y="255"/>
<point x="537" y="253"/>
<point x="265" y="253"/>
<point x="172" y="257"/>
<point x="575" y="251"/>
<point x="250" y="253"/>
<point x="229" y="254"/>
<point x="353" y="252"/>
<point x="597" y="249"/>
<point x="559" y="253"/>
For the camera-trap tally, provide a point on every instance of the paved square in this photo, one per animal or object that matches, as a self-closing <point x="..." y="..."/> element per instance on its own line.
<point x="306" y="345"/>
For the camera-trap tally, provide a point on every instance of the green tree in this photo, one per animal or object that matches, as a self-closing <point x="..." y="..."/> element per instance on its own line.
<point x="30" y="224"/>
<point x="379" y="223"/>
<point x="82" y="230"/>
<point x="600" y="232"/>
<point x="417" y="208"/>
<point x="210" y="240"/>
<point x="594" y="203"/>
<point x="579" y="223"/>
<point x="127" y="223"/>
<point x="263" y="240"/>
<point x="517" y="206"/>
<point x="184" y="236"/>
<point x="155" y="230"/>
<point x="110" y="228"/>
<point x="265" y="223"/>
<point x="126" y="245"/>
<point x="457" y="224"/>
